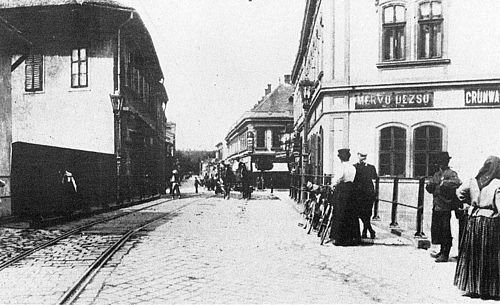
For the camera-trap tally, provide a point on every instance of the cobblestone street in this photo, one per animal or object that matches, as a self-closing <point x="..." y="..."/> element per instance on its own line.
<point x="235" y="251"/>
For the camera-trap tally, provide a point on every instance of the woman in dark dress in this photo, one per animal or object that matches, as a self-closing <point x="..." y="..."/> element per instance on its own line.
<point x="478" y="265"/>
<point x="345" y="224"/>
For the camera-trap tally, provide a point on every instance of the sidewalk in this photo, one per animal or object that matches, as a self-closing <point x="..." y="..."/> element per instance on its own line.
<point x="384" y="235"/>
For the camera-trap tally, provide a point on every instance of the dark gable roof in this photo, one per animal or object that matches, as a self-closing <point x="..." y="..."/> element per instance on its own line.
<point x="274" y="106"/>
<point x="277" y="100"/>
<point x="143" y="35"/>
<point x="29" y="3"/>
<point x="11" y="38"/>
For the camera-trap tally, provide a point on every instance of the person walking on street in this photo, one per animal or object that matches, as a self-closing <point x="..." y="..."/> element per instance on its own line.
<point x="364" y="192"/>
<point x="69" y="192"/>
<point x="345" y="227"/>
<point x="245" y="177"/>
<point x="227" y="179"/>
<point x="442" y="186"/>
<point x="478" y="266"/>
<point x="196" y="184"/>
<point x="175" y="184"/>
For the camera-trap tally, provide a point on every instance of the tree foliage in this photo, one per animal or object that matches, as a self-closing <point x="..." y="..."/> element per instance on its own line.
<point x="188" y="161"/>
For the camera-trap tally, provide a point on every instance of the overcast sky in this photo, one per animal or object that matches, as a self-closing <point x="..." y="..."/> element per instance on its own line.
<point x="218" y="57"/>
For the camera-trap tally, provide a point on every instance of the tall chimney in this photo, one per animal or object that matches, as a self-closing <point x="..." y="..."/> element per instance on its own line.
<point x="288" y="78"/>
<point x="268" y="90"/>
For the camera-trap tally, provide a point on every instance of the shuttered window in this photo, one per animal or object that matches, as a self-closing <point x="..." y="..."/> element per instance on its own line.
<point x="79" y="68"/>
<point x="33" y="73"/>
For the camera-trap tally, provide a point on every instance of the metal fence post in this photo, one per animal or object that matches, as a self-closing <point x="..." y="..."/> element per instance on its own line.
<point x="420" y="207"/>
<point x="394" y="211"/>
<point x="375" y="204"/>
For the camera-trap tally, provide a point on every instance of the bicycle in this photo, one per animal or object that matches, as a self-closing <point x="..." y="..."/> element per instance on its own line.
<point x="326" y="219"/>
<point x="311" y="206"/>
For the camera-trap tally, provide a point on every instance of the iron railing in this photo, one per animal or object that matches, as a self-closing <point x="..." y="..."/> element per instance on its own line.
<point x="408" y="214"/>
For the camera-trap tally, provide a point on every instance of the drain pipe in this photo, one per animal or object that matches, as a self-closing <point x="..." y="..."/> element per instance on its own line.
<point x="119" y="42"/>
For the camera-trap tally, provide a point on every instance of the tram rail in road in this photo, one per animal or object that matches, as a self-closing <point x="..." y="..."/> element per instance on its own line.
<point x="74" y="231"/>
<point x="121" y="231"/>
<point x="72" y="294"/>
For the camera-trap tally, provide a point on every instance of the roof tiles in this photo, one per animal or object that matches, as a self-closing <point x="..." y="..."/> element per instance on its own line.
<point x="29" y="3"/>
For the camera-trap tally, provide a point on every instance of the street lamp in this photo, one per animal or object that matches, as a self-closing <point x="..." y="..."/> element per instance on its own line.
<point x="306" y="87"/>
<point x="117" y="103"/>
<point x="306" y="90"/>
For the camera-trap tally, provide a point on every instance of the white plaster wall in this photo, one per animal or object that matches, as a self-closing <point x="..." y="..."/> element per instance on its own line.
<point x="471" y="42"/>
<point x="339" y="43"/>
<point x="62" y="116"/>
<point x="470" y="134"/>
<point x="327" y="11"/>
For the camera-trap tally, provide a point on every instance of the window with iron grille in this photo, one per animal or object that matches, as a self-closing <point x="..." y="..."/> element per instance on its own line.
<point x="430" y="23"/>
<point x="79" y="68"/>
<point x="428" y="142"/>
<point x="392" y="152"/>
<point x="33" y="73"/>
<point x="393" y="32"/>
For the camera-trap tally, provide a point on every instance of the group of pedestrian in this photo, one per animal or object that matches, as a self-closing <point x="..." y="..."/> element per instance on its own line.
<point x="475" y="203"/>
<point x="353" y="195"/>
<point x="225" y="179"/>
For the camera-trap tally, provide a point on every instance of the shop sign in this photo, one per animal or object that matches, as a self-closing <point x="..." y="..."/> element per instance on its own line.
<point x="394" y="100"/>
<point x="482" y="97"/>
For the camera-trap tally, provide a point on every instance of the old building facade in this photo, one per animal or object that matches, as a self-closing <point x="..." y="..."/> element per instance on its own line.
<point x="257" y="138"/>
<point x="84" y="54"/>
<point x="400" y="80"/>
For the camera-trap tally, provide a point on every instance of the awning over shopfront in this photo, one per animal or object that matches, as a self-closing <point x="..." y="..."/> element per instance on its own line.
<point x="277" y="167"/>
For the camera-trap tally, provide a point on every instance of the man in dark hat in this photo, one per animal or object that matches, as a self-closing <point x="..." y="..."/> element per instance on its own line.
<point x="442" y="186"/>
<point x="364" y="192"/>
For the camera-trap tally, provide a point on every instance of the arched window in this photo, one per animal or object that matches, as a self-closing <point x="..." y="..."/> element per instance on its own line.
<point x="393" y="32"/>
<point x="428" y="141"/>
<point x="430" y="33"/>
<point x="392" y="151"/>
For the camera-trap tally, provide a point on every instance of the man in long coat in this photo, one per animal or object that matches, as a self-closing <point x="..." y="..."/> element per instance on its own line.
<point x="364" y="192"/>
<point x="442" y="186"/>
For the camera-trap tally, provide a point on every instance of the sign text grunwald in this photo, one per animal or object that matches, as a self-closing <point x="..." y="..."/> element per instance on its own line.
<point x="394" y="100"/>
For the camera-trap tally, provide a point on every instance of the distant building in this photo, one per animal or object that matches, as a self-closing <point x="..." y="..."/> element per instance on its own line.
<point x="170" y="147"/>
<point x="70" y="58"/>
<point x="258" y="138"/>
<point x="219" y="151"/>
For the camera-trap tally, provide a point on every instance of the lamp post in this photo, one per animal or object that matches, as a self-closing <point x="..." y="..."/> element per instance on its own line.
<point x="306" y="90"/>
<point x="117" y="103"/>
